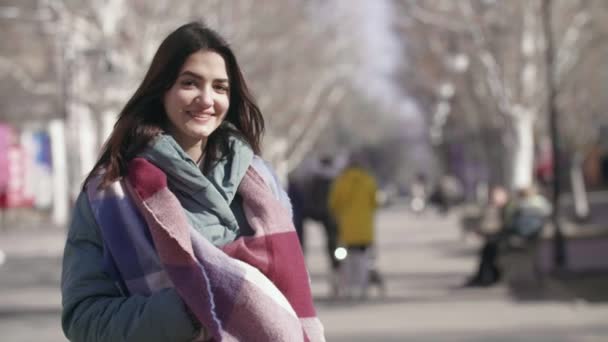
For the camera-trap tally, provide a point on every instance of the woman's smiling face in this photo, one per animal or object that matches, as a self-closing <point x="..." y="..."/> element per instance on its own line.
<point x="198" y="101"/>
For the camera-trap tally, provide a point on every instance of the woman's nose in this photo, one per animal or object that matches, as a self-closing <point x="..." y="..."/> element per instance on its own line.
<point x="204" y="98"/>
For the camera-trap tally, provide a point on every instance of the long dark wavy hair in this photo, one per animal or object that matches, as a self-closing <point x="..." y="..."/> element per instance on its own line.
<point x="144" y="116"/>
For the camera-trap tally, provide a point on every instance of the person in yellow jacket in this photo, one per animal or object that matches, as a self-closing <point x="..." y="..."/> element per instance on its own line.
<point x="352" y="202"/>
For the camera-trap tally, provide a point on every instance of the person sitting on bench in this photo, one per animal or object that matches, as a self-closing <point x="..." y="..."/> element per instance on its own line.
<point x="524" y="217"/>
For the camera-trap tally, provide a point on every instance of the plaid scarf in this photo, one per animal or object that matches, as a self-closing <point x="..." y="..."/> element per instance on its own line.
<point x="255" y="288"/>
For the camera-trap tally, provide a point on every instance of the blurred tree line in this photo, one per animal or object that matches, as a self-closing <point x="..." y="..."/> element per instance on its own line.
<point x="406" y="80"/>
<point x="80" y="61"/>
<point x="478" y="68"/>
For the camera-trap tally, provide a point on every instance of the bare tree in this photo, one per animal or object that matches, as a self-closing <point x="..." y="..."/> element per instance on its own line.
<point x="504" y="43"/>
<point x="299" y="66"/>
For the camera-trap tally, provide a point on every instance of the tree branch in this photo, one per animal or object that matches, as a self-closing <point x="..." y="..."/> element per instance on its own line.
<point x="569" y="50"/>
<point x="431" y="18"/>
<point x="25" y="80"/>
<point x="492" y="74"/>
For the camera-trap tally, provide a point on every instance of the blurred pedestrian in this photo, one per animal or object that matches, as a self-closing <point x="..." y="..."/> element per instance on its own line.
<point x="494" y="213"/>
<point x="182" y="231"/>
<point x="352" y="201"/>
<point x="523" y="218"/>
<point x="309" y="193"/>
<point x="447" y="193"/>
<point x="419" y="193"/>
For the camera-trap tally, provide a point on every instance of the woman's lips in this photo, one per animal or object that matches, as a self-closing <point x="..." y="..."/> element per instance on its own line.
<point x="199" y="116"/>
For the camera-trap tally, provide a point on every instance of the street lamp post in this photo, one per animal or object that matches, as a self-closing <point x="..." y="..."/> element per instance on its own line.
<point x="559" y="256"/>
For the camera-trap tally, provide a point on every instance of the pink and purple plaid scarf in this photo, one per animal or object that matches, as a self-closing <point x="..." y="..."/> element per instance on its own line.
<point x="253" y="289"/>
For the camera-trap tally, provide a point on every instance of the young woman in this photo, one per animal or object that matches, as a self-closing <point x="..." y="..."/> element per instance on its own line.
<point x="181" y="231"/>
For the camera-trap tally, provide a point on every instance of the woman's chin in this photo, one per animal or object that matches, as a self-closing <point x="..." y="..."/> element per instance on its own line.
<point x="202" y="131"/>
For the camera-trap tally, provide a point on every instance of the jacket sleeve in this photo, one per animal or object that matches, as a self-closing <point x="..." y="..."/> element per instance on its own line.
<point x="94" y="308"/>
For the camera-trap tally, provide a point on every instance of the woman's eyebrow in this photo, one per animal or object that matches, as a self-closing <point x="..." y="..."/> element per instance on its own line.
<point x="192" y="74"/>
<point x="200" y="77"/>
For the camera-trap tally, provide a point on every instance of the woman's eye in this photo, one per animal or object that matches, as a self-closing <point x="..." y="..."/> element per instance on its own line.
<point x="221" y="88"/>
<point x="188" y="83"/>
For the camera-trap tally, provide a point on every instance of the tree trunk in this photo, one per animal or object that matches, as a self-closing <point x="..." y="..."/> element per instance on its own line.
<point x="60" y="211"/>
<point x="523" y="161"/>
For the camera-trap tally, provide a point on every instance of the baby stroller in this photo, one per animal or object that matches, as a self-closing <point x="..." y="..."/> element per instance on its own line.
<point x="358" y="272"/>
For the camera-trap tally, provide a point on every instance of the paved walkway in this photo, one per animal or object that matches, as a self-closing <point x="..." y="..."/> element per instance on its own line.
<point x="30" y="299"/>
<point x="423" y="259"/>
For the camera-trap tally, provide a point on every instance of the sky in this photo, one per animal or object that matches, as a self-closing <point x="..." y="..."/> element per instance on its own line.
<point x="382" y="54"/>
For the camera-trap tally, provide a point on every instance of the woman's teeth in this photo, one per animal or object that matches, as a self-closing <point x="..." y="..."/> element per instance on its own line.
<point x="198" y="115"/>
